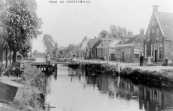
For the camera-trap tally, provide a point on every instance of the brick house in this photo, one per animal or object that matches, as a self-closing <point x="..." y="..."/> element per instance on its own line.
<point x="129" y="48"/>
<point x="158" y="42"/>
<point x="111" y="48"/>
<point x="90" y="44"/>
<point x="103" y="49"/>
<point x="93" y="49"/>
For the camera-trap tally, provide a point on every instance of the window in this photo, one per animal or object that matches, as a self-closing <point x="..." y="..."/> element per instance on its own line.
<point x="152" y="50"/>
<point x="136" y="52"/>
<point x="157" y="32"/>
<point x="145" y="50"/>
<point x="126" y="53"/>
<point x="152" y="30"/>
<point x="160" y="50"/>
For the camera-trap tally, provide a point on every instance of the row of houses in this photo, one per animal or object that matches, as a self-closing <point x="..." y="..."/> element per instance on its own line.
<point x="156" y="43"/>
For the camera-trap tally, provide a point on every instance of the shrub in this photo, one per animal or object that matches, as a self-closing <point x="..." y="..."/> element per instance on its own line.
<point x="35" y="82"/>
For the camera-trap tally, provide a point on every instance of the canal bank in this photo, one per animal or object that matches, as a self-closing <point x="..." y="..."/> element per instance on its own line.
<point x="157" y="76"/>
<point x="32" y="93"/>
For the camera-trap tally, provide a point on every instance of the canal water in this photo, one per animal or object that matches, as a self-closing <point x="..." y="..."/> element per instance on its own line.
<point x="72" y="90"/>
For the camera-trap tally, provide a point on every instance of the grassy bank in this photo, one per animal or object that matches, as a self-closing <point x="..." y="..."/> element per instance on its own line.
<point x="35" y="83"/>
<point x="163" y="78"/>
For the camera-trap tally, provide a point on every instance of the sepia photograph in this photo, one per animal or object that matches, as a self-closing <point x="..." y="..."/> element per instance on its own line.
<point x="86" y="55"/>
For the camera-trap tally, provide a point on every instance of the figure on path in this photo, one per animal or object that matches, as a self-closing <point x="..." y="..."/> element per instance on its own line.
<point x="48" y="57"/>
<point x="149" y="61"/>
<point x="141" y="59"/>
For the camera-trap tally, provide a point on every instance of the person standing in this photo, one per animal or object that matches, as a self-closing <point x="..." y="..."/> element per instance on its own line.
<point x="141" y="59"/>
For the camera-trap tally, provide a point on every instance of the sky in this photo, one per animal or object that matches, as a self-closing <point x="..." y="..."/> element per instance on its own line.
<point x="69" y="23"/>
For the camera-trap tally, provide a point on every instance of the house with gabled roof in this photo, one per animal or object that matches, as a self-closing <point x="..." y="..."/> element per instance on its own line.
<point x="103" y="49"/>
<point x="93" y="49"/>
<point x="130" y="47"/>
<point x="90" y="44"/>
<point x="83" y="50"/>
<point x="158" y="42"/>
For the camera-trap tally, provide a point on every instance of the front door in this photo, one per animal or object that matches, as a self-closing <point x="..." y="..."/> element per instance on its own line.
<point x="155" y="55"/>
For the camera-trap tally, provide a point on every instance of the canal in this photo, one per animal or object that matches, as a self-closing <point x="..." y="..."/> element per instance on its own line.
<point x="72" y="90"/>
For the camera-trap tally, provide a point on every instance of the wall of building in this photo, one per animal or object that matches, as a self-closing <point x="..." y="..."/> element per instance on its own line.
<point x="152" y="37"/>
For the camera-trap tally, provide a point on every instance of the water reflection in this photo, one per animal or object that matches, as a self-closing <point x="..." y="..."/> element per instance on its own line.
<point x="77" y="91"/>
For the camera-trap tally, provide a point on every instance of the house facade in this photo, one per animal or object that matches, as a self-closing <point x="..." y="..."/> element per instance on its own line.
<point x="103" y="49"/>
<point x="90" y="44"/>
<point x="83" y="50"/>
<point x="129" y="48"/>
<point x="111" y="48"/>
<point x="158" y="43"/>
<point x="93" y="49"/>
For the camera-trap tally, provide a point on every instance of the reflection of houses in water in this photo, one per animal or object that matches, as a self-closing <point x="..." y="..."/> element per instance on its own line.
<point x="76" y="72"/>
<point x="155" y="99"/>
<point x="127" y="90"/>
<point x="150" y="99"/>
<point x="114" y="86"/>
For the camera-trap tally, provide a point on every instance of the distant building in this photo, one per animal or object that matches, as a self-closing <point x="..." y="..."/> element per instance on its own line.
<point x="158" y="42"/>
<point x="103" y="49"/>
<point x="93" y="49"/>
<point x="83" y="50"/>
<point x="129" y="48"/>
<point x="90" y="44"/>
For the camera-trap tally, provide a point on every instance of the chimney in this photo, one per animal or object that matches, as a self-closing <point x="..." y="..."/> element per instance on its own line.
<point x="95" y="37"/>
<point x="142" y="31"/>
<point x="155" y="8"/>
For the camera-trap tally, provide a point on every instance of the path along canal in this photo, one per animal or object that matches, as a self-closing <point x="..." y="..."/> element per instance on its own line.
<point x="72" y="90"/>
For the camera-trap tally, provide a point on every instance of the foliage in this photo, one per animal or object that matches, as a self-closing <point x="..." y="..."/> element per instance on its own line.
<point x="35" y="82"/>
<point x="39" y="54"/>
<point x="55" y="50"/>
<point x="48" y="43"/>
<point x="103" y="33"/>
<point x="20" y="23"/>
<point x="117" y="31"/>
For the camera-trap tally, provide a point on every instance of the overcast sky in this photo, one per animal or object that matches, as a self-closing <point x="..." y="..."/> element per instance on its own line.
<point x="70" y="22"/>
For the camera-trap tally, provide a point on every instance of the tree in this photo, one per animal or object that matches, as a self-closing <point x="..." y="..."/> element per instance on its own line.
<point x="103" y="33"/>
<point x="27" y="48"/>
<point x="117" y="31"/>
<point x="55" y="50"/>
<point x="35" y="52"/>
<point x="20" y="23"/>
<point x="48" y="43"/>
